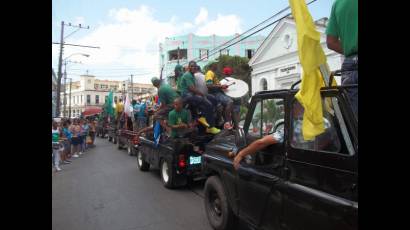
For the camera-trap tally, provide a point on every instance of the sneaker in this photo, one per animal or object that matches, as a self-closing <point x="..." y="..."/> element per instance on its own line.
<point x="202" y="120"/>
<point x="213" y="130"/>
<point x="66" y="162"/>
<point x="228" y="125"/>
<point x="58" y="169"/>
<point x="75" y="156"/>
<point x="81" y="153"/>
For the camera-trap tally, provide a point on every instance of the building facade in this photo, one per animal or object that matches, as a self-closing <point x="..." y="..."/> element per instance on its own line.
<point x="276" y="64"/>
<point x="189" y="47"/>
<point x="92" y="92"/>
<point x="53" y="93"/>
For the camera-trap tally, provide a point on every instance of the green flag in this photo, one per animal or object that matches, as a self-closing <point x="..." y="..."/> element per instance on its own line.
<point x="108" y="106"/>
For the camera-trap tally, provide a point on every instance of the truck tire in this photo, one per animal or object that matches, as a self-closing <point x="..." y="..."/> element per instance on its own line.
<point x="217" y="207"/>
<point x="141" y="163"/>
<point x="167" y="174"/>
<point x="130" y="150"/>
<point x="119" y="143"/>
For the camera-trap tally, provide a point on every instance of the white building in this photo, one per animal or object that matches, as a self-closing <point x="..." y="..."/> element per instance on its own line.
<point x="276" y="65"/>
<point x="92" y="92"/>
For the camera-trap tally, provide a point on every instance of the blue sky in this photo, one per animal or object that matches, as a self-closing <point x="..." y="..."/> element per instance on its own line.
<point x="128" y="31"/>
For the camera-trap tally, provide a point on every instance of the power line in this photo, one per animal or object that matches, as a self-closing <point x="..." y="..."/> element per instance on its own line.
<point x="270" y="24"/>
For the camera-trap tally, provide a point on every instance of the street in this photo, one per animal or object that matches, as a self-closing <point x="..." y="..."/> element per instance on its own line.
<point x="104" y="190"/>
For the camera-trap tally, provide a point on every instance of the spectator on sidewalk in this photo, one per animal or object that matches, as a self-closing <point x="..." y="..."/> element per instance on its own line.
<point x="93" y="124"/>
<point x="84" y="133"/>
<point x="75" y="129"/>
<point x="55" y="137"/>
<point x="67" y="142"/>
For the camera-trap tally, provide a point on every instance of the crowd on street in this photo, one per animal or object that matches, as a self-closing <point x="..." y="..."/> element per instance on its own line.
<point x="71" y="138"/>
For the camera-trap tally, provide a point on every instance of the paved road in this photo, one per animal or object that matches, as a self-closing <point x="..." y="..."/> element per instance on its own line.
<point x="104" y="190"/>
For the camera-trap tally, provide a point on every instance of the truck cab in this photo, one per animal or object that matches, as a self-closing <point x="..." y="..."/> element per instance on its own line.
<point x="296" y="184"/>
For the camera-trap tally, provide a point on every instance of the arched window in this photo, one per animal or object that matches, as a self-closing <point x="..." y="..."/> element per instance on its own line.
<point x="263" y="85"/>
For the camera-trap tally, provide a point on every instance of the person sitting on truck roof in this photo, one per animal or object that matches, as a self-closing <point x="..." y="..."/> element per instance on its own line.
<point x="179" y="120"/>
<point x="192" y="96"/>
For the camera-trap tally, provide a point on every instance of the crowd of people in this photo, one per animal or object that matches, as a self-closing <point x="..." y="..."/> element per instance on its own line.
<point x="194" y="101"/>
<point x="71" y="138"/>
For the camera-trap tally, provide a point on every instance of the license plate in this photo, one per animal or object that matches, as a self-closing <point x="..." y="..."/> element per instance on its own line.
<point x="194" y="160"/>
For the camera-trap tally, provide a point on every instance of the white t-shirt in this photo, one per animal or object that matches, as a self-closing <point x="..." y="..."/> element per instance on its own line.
<point x="200" y="83"/>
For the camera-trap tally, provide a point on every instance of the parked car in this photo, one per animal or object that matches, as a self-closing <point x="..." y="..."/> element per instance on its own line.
<point x="294" y="185"/>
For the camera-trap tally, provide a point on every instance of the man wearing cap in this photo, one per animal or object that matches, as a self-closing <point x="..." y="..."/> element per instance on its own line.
<point x="342" y="34"/>
<point x="194" y="97"/>
<point x="215" y="88"/>
<point x="166" y="96"/>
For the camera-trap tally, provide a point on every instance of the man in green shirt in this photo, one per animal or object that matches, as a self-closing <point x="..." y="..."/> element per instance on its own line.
<point x="194" y="97"/>
<point x="166" y="95"/>
<point x="342" y="37"/>
<point x="179" y="120"/>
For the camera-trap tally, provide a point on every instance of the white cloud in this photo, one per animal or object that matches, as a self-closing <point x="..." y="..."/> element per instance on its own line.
<point x="129" y="39"/>
<point x="202" y="16"/>
<point x="79" y="20"/>
<point x="223" y="25"/>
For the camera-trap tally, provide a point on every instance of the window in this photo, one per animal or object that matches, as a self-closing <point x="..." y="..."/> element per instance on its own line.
<point x="97" y="99"/>
<point x="328" y="141"/>
<point x="224" y="52"/>
<point x="263" y="84"/>
<point x="268" y="117"/>
<point x="89" y="81"/>
<point x="103" y="86"/>
<point x="88" y="99"/>
<point x="173" y="54"/>
<point x="249" y="53"/>
<point x="96" y="86"/>
<point x="203" y="53"/>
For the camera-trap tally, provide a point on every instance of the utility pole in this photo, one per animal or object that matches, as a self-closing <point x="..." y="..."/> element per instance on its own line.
<point x="69" y="104"/>
<point x="65" y="91"/>
<point x="132" y="88"/>
<point x="60" y="60"/>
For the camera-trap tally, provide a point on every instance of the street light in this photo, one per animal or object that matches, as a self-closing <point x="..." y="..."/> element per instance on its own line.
<point x="65" y="77"/>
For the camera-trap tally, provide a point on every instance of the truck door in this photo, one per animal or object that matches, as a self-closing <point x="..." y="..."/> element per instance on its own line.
<point x="259" y="174"/>
<point x="321" y="187"/>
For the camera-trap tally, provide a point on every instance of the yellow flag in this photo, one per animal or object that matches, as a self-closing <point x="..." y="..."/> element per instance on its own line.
<point x="311" y="56"/>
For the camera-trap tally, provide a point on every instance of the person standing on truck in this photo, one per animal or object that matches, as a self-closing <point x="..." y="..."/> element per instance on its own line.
<point x="342" y="37"/>
<point x="215" y="88"/>
<point x="179" y="120"/>
<point x="142" y="115"/>
<point x="166" y="96"/>
<point x="194" y="97"/>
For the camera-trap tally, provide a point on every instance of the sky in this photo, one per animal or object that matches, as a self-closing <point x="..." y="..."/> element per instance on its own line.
<point x="128" y="31"/>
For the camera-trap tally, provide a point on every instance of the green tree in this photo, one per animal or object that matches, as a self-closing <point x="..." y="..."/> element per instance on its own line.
<point x="241" y="69"/>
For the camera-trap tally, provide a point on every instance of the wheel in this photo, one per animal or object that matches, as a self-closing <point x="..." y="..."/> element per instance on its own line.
<point x="129" y="149"/>
<point x="119" y="146"/>
<point x="167" y="174"/>
<point x="142" y="164"/>
<point x="217" y="207"/>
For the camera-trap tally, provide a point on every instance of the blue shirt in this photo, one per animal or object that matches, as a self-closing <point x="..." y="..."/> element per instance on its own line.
<point x="139" y="110"/>
<point x="67" y="133"/>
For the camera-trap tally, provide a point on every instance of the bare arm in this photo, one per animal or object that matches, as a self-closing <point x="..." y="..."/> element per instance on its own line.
<point x="333" y="43"/>
<point x="253" y="148"/>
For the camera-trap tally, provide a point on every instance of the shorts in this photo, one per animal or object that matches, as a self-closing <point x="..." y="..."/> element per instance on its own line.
<point x="75" y="141"/>
<point x="222" y="98"/>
